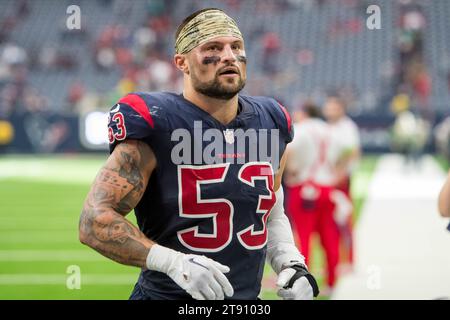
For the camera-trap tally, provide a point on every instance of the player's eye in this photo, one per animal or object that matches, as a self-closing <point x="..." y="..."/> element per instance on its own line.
<point x="213" y="48"/>
<point x="236" y="47"/>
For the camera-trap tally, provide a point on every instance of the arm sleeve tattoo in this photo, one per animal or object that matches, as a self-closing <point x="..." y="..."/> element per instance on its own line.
<point x="117" y="189"/>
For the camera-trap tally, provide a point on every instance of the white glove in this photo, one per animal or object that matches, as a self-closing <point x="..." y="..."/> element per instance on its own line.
<point x="301" y="289"/>
<point x="201" y="277"/>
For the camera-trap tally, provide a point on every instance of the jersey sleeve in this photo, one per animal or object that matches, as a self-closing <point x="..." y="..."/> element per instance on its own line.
<point x="130" y="118"/>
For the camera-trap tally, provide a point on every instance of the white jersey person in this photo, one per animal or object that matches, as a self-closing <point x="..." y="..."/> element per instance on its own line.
<point x="315" y="206"/>
<point x="347" y="150"/>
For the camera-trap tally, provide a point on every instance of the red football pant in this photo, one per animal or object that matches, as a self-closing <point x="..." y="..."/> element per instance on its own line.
<point x="316" y="216"/>
<point x="346" y="232"/>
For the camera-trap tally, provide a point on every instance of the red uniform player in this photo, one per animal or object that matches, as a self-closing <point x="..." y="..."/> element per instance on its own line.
<point x="314" y="203"/>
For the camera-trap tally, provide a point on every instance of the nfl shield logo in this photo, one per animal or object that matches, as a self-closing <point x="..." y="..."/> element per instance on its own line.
<point x="229" y="136"/>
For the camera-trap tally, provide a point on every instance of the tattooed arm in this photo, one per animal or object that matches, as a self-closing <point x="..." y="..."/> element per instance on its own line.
<point x="116" y="190"/>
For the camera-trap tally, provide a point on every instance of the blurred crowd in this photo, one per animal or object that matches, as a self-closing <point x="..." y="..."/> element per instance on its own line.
<point x="15" y="92"/>
<point x="135" y="55"/>
<point x="139" y="58"/>
<point x="412" y="128"/>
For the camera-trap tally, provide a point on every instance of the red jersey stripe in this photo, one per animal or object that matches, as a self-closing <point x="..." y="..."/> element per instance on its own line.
<point x="139" y="105"/>
<point x="288" y="117"/>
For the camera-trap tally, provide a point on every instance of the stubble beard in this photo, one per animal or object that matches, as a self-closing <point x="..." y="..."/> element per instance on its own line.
<point x="215" y="89"/>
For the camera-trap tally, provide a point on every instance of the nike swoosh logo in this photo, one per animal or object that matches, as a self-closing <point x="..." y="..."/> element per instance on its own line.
<point x="199" y="264"/>
<point x="117" y="108"/>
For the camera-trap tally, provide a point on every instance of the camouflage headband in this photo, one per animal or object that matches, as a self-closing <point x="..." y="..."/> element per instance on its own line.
<point x="204" y="27"/>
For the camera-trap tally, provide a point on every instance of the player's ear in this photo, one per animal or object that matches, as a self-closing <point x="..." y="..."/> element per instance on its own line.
<point x="180" y="61"/>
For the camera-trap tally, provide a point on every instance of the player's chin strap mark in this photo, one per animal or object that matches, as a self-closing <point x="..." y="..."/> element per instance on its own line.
<point x="303" y="272"/>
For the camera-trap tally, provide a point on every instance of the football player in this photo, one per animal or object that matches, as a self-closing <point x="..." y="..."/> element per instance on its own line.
<point x="315" y="204"/>
<point x="348" y="152"/>
<point x="194" y="168"/>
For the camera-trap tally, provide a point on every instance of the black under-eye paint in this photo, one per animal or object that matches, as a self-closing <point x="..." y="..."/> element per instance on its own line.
<point x="242" y="59"/>
<point x="213" y="59"/>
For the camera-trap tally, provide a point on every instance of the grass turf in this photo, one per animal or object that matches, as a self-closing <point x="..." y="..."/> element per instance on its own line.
<point x="40" y="204"/>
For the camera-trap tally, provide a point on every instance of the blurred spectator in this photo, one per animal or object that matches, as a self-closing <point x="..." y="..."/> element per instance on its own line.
<point x="421" y="84"/>
<point x="16" y="95"/>
<point x="400" y="103"/>
<point x="51" y="58"/>
<point x="105" y="59"/>
<point x="269" y="6"/>
<point x="126" y="85"/>
<point x="314" y="204"/>
<point x="13" y="55"/>
<point x="160" y="72"/>
<point x="33" y="101"/>
<point x="75" y="94"/>
<point x="271" y="45"/>
<point x="113" y="48"/>
<point x="156" y="8"/>
<point x="410" y="134"/>
<point x="345" y="28"/>
<point x="347" y="150"/>
<point x="144" y="40"/>
<point x="305" y="57"/>
<point x="20" y="12"/>
<point x="22" y="9"/>
<point x="233" y="5"/>
<point x="123" y="8"/>
<point x="413" y="74"/>
<point x="80" y="100"/>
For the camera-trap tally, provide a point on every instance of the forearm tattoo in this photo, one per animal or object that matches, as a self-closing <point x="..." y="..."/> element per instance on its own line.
<point x="117" y="189"/>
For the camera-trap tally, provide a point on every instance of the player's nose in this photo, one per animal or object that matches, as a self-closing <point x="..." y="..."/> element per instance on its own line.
<point x="228" y="54"/>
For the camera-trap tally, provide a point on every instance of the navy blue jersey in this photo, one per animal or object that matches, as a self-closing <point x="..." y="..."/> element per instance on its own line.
<point x="212" y="189"/>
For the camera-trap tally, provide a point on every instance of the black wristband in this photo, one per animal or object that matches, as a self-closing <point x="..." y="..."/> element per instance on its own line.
<point x="301" y="271"/>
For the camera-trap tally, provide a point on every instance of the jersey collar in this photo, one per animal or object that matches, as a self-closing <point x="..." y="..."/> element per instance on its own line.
<point x="246" y="112"/>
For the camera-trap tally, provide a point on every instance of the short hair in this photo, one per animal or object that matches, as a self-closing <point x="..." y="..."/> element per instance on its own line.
<point x="312" y="110"/>
<point x="189" y="18"/>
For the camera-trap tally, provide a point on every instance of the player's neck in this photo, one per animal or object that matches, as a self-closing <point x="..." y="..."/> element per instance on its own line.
<point x="223" y="111"/>
<point x="336" y="120"/>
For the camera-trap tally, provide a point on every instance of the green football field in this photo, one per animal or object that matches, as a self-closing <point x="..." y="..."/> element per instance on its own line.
<point x="40" y="255"/>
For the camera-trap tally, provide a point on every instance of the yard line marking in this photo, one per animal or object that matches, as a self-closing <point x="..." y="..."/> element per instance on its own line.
<point x="56" y="170"/>
<point x="60" y="279"/>
<point x="50" y="255"/>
